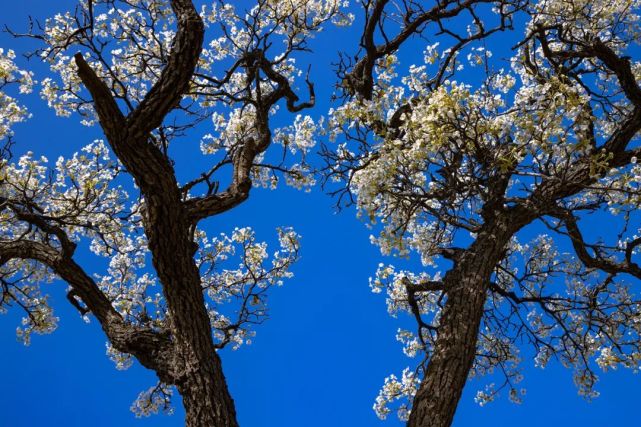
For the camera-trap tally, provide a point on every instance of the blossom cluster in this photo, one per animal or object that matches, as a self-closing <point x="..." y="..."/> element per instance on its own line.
<point x="11" y="111"/>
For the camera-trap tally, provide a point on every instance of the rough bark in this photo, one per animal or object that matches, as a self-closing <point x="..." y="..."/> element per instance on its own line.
<point x="206" y="399"/>
<point x="466" y="286"/>
<point x="201" y="382"/>
<point x="152" y="348"/>
<point x="196" y="368"/>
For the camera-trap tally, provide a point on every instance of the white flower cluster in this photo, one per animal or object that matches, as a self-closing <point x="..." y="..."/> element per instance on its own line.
<point x="615" y="21"/>
<point x="396" y="389"/>
<point x="395" y="284"/>
<point x="78" y="191"/>
<point x="238" y="296"/>
<point x="293" y="20"/>
<point x="10" y="75"/>
<point x="134" y="39"/>
<point x="152" y="401"/>
<point x="40" y="320"/>
<point x="78" y="195"/>
<point x="123" y="361"/>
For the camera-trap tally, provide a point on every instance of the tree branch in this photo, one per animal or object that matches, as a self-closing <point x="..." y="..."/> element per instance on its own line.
<point x="597" y="262"/>
<point x="150" y="347"/>
<point x="174" y="80"/>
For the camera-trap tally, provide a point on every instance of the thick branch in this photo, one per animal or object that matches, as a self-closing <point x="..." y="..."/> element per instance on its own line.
<point x="216" y="204"/>
<point x="597" y="262"/>
<point x="621" y="66"/>
<point x="174" y="80"/>
<point x="151" y="348"/>
<point x="111" y="118"/>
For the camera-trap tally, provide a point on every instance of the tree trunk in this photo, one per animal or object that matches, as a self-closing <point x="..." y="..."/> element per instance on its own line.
<point x="200" y="379"/>
<point x="455" y="348"/>
<point x="454" y="352"/>
<point x="206" y="398"/>
<point x="191" y="360"/>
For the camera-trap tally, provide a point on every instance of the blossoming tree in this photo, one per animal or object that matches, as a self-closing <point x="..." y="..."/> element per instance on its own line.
<point x="463" y="157"/>
<point x="143" y="71"/>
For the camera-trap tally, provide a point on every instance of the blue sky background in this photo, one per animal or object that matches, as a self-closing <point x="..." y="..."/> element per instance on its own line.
<point x="319" y="360"/>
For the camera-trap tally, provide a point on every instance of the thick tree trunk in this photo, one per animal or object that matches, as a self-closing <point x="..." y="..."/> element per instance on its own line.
<point x="189" y="360"/>
<point x="200" y="379"/>
<point x="437" y="399"/>
<point x="455" y="349"/>
<point x="206" y="398"/>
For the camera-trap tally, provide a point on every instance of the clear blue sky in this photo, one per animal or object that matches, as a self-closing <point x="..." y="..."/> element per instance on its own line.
<point x="319" y="360"/>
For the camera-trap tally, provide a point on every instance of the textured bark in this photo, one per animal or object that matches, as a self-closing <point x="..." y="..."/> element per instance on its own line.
<point x="206" y="398"/>
<point x="201" y="381"/>
<point x="455" y="349"/>
<point x="195" y="367"/>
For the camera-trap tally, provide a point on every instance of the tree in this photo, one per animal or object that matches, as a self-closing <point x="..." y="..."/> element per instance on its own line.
<point x="143" y="71"/>
<point x="459" y="166"/>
